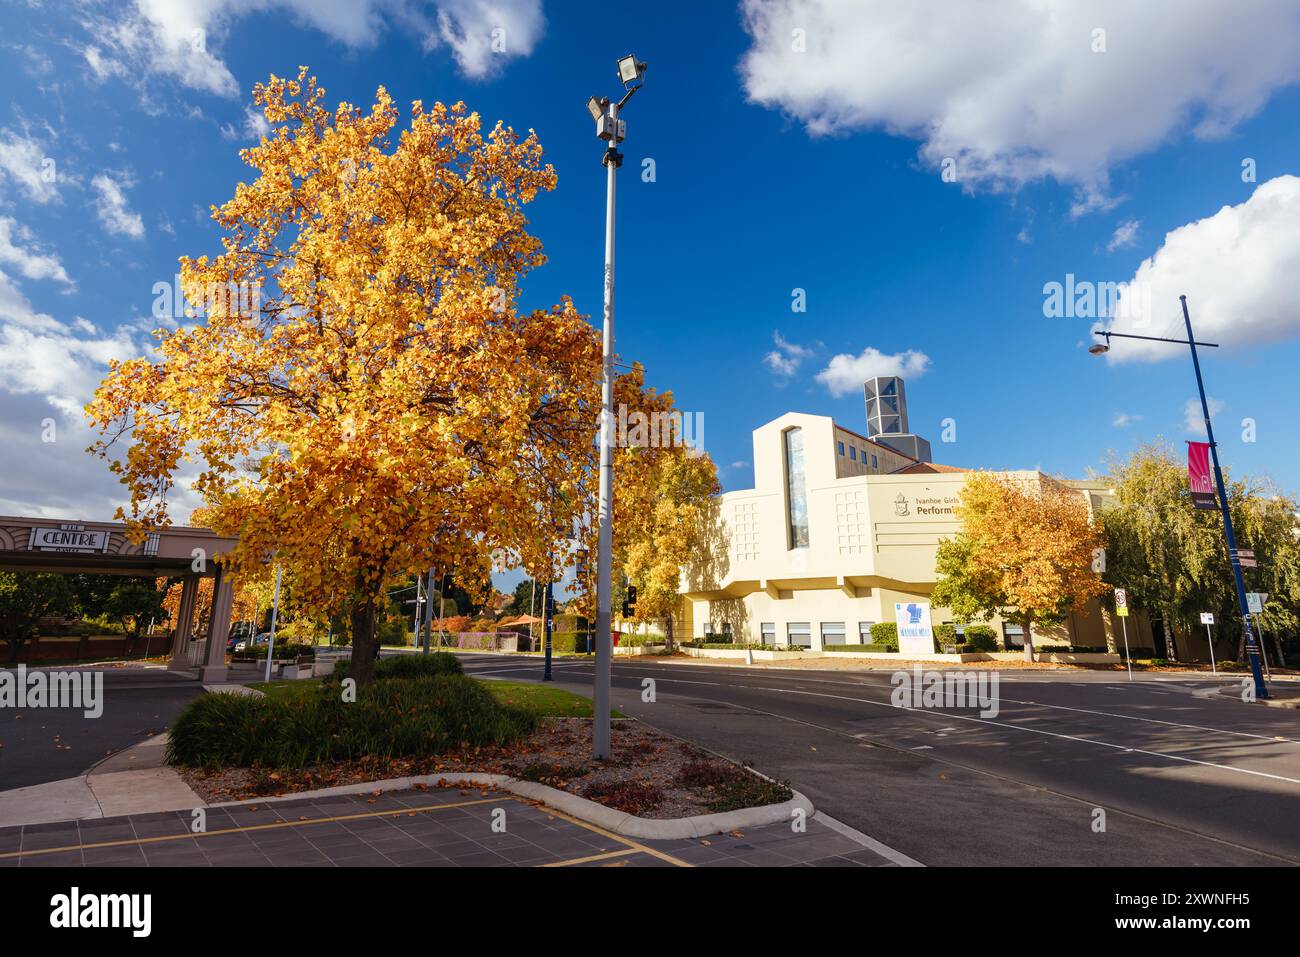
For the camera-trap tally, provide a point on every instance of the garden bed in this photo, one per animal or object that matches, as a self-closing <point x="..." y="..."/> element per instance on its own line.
<point x="649" y="774"/>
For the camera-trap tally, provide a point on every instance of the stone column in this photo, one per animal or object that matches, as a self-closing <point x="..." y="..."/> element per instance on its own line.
<point x="223" y="597"/>
<point x="184" y="624"/>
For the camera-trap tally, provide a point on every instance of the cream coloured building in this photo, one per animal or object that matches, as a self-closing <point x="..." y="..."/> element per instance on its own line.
<point x="837" y="528"/>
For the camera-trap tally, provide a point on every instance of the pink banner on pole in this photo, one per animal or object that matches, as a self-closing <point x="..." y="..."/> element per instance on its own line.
<point x="1198" y="475"/>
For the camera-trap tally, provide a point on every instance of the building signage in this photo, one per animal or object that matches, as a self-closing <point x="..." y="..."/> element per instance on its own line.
<point x="68" y="538"/>
<point x="926" y="505"/>
<point x="1198" y="475"/>
<point x="915" y="633"/>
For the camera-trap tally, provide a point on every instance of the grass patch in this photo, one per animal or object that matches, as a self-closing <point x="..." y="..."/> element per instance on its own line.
<point x="543" y="700"/>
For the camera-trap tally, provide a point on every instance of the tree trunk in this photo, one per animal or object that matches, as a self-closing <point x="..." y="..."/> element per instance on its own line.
<point x="1277" y="643"/>
<point x="668" y="633"/>
<point x="1029" y="640"/>
<point x="363" y="619"/>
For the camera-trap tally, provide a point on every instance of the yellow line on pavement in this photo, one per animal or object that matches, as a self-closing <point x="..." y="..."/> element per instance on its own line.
<point x="594" y="857"/>
<point x="634" y="845"/>
<point x="277" y="825"/>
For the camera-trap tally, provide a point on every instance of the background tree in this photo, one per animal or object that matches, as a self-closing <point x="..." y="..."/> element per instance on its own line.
<point x="134" y="603"/>
<point x="1025" y="552"/>
<point x="662" y="500"/>
<point x="387" y="408"/>
<point x="25" y="598"/>
<point x="1173" y="558"/>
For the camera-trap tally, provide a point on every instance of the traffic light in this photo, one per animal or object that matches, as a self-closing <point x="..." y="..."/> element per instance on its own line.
<point x="629" y="603"/>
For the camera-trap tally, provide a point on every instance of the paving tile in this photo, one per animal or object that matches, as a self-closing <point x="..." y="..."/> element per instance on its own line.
<point x="57" y="859"/>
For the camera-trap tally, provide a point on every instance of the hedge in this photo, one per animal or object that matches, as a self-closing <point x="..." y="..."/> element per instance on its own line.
<point x="391" y="718"/>
<point x="407" y="666"/>
<point x="980" y="638"/>
<point x="885" y="633"/>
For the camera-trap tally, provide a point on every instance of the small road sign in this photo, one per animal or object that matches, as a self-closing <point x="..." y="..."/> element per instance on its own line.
<point x="1121" y="602"/>
<point x="1255" y="601"/>
<point x="1207" y="618"/>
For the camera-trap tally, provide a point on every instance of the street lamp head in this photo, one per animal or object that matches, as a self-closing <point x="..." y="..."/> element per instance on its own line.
<point x="1098" y="349"/>
<point x="596" y="107"/>
<point x="630" y="69"/>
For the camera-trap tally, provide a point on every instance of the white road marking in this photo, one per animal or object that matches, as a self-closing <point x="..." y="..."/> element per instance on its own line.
<point x="1067" y="737"/>
<point x="1174" y="724"/>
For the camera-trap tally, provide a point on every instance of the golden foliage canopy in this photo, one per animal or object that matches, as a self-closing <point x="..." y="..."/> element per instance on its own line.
<point x="386" y="407"/>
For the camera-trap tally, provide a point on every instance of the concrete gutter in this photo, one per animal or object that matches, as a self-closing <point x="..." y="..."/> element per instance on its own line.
<point x="617" y="822"/>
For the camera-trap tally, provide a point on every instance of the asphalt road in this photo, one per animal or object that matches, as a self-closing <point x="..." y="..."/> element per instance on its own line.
<point x="1185" y="777"/>
<point x="38" y="745"/>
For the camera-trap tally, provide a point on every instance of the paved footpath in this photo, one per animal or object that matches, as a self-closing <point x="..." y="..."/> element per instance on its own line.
<point x="447" y="827"/>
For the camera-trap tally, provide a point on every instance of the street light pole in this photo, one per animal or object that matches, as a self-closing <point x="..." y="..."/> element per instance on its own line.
<point x="609" y="128"/>
<point x="1252" y="647"/>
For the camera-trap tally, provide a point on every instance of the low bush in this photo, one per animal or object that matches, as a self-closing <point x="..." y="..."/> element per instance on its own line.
<point x="407" y="666"/>
<point x="391" y="718"/>
<point x="885" y="633"/>
<point x="861" y="649"/>
<point x="944" y="634"/>
<point x="980" y="638"/>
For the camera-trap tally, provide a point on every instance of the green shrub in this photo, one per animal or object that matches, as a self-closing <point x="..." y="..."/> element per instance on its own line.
<point x="407" y="666"/>
<point x="980" y="638"/>
<point x="885" y="633"/>
<point x="944" y="634"/>
<point x="391" y="718"/>
<point x="567" y="642"/>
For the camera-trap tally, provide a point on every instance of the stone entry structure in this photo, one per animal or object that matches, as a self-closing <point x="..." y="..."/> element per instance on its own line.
<point x="102" y="548"/>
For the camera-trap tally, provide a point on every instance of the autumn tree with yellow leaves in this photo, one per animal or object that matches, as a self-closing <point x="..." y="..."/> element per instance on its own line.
<point x="663" y="493"/>
<point x="1025" y="552"/>
<point x="386" y="407"/>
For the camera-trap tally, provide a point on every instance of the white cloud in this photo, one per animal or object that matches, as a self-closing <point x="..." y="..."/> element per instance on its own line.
<point x="31" y="261"/>
<point x="23" y="160"/>
<point x="48" y="372"/>
<point x="786" y="358"/>
<point x="1194" y="416"/>
<point x="845" y="373"/>
<point x="1237" y="269"/>
<point x="1011" y="89"/>
<point x="482" y="34"/>
<point x="1123" y="419"/>
<point x="114" y="211"/>
<point x="1125" y="235"/>
<point x="182" y="39"/>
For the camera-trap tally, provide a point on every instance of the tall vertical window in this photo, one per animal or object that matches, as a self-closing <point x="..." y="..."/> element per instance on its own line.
<point x="796" y="497"/>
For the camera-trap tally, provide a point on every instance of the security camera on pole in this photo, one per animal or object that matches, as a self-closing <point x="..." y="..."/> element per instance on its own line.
<point x="611" y="129"/>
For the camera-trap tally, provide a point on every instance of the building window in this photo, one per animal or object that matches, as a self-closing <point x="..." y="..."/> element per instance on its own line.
<point x="853" y="452"/>
<point x="864" y="632"/>
<point x="708" y="628"/>
<point x="726" y="629"/>
<point x="796" y="499"/>
<point x="832" y="633"/>
<point x="798" y="634"/>
<point x="767" y="633"/>
<point x="841" y="445"/>
<point x="1013" y="635"/>
<point x="874" y="463"/>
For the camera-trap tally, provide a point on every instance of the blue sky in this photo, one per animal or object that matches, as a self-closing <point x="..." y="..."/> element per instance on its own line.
<point x="776" y="168"/>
